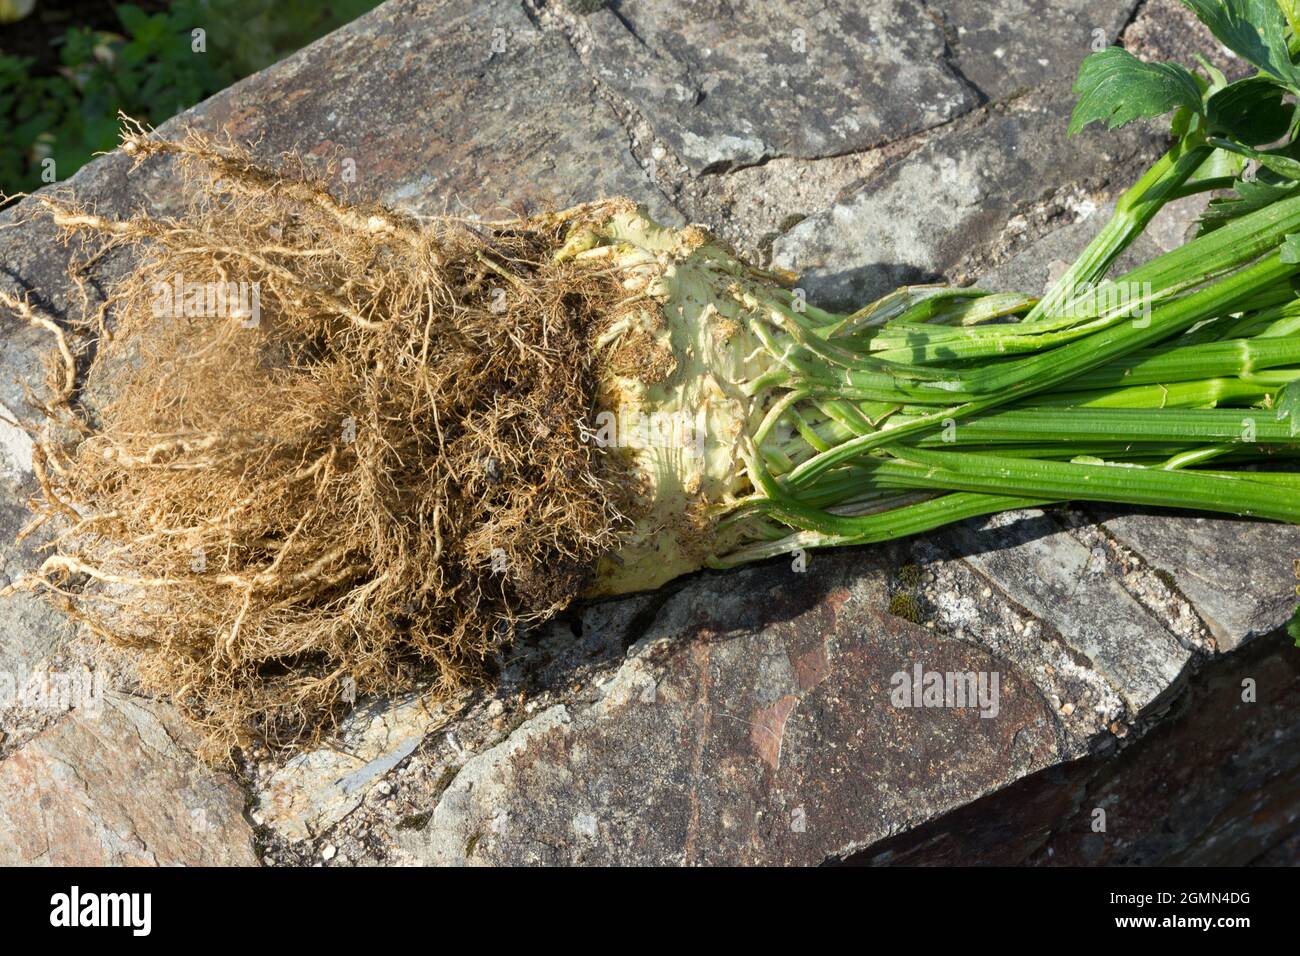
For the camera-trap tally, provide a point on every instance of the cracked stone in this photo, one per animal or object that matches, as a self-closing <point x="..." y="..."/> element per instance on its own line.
<point x="1217" y="786"/>
<point x="1050" y="574"/>
<point x="116" y="786"/>
<point x="317" y="788"/>
<point x="770" y="737"/>
<point x="919" y="217"/>
<point x="1239" y="575"/>
<point x="728" y="84"/>
<point x="751" y="721"/>
<point x="992" y="44"/>
<point x="464" y="107"/>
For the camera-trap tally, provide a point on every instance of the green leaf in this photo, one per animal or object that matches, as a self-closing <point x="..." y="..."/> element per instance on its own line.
<point x="1294" y="627"/>
<point x="1248" y="196"/>
<point x="1115" y="87"/>
<point x="1278" y="162"/>
<point x="1291" y="10"/>
<point x="132" y="17"/>
<point x="1255" y="30"/>
<point x="1217" y="80"/>
<point x="1250" y="111"/>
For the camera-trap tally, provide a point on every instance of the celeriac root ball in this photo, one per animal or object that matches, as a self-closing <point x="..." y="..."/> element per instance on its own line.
<point x="341" y="452"/>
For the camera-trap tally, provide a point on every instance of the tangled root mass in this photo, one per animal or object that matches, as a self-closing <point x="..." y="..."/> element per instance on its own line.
<point x="339" y="452"/>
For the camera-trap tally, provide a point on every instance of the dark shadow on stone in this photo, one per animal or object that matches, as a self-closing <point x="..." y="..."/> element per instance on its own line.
<point x="776" y="595"/>
<point x="850" y="289"/>
<point x="1217" y="782"/>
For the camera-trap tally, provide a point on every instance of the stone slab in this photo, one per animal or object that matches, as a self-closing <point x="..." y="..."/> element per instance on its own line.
<point x="737" y="82"/>
<point x="916" y="219"/>
<point x="116" y="786"/>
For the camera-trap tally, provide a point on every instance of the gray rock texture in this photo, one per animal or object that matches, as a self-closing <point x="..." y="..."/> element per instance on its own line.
<point x="115" y="785"/>
<point x="1224" y="567"/>
<point x="747" y="717"/>
<point x="1214" y="784"/>
<point x="752" y="723"/>
<point x="736" y="83"/>
<point x="950" y="194"/>
<point x="987" y="39"/>
<point x="36" y="639"/>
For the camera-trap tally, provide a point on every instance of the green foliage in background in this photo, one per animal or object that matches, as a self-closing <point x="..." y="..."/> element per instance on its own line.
<point x="150" y="71"/>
